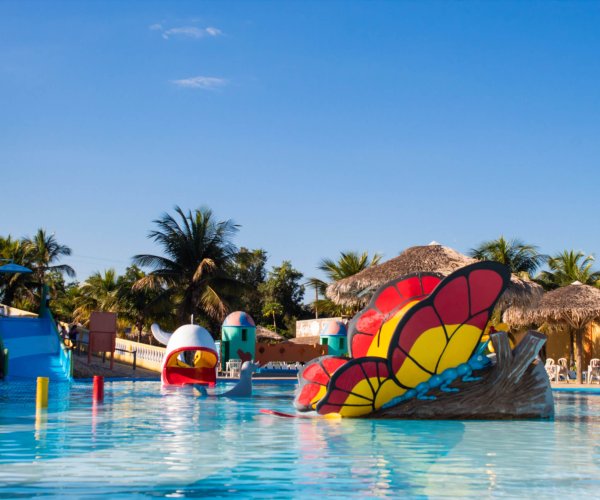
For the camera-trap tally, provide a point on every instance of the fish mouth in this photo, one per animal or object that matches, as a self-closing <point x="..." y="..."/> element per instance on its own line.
<point x="190" y="365"/>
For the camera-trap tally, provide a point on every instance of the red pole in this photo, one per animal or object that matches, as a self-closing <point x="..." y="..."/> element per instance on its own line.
<point x="98" y="393"/>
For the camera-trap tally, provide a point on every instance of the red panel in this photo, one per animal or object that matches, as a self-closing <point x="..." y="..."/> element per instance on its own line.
<point x="429" y="283"/>
<point x="181" y="376"/>
<point x="452" y="301"/>
<point x="398" y="357"/>
<point x="307" y="393"/>
<point x="332" y="364"/>
<point x="315" y="373"/>
<point x="480" y="321"/>
<point x="370" y="322"/>
<point x="348" y="379"/>
<point x="410" y="288"/>
<point x="485" y="288"/>
<point x="388" y="299"/>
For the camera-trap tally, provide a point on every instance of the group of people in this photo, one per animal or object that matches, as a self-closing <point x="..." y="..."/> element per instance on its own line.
<point x="70" y="335"/>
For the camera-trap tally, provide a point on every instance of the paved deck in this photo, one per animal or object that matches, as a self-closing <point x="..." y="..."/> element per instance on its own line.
<point x="81" y="369"/>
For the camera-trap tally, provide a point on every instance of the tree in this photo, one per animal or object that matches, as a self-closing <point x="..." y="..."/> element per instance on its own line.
<point x="272" y="310"/>
<point x="348" y="264"/>
<point x="17" y="286"/>
<point x="44" y="251"/>
<point x="283" y="287"/>
<point x="97" y="293"/>
<point x="521" y="258"/>
<point x="140" y="305"/>
<point x="567" y="267"/>
<point x="193" y="271"/>
<point x="248" y="269"/>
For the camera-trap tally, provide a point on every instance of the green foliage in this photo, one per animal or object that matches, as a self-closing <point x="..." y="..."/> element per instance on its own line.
<point x="140" y="306"/>
<point x="40" y="254"/>
<point x="283" y="287"/>
<point x="193" y="270"/>
<point x="248" y="269"/>
<point x="521" y="258"/>
<point x="97" y="293"/>
<point x="567" y="267"/>
<point x="348" y="264"/>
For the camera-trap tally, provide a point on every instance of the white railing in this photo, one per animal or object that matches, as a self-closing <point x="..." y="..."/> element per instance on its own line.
<point x="147" y="356"/>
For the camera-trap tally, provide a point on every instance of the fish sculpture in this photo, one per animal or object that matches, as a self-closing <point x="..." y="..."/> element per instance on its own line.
<point x="191" y="355"/>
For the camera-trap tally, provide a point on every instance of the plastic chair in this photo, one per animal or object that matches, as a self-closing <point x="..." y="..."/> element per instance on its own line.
<point x="593" y="370"/>
<point x="551" y="368"/>
<point x="233" y="367"/>
<point x="562" y="369"/>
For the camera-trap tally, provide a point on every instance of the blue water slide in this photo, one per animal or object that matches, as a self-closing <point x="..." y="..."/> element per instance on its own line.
<point x="35" y="348"/>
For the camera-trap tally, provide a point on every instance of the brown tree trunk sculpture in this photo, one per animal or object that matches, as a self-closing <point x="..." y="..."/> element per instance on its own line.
<point x="515" y="386"/>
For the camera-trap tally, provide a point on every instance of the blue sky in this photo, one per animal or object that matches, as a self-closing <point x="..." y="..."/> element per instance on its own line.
<point x="319" y="127"/>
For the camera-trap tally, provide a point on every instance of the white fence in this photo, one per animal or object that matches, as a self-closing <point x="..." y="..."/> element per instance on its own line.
<point x="147" y="356"/>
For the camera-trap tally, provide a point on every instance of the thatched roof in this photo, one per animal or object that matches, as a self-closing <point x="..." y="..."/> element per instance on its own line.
<point x="434" y="257"/>
<point x="263" y="333"/>
<point x="575" y="304"/>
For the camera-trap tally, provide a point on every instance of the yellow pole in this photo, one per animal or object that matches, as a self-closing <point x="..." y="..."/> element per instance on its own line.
<point x="41" y="395"/>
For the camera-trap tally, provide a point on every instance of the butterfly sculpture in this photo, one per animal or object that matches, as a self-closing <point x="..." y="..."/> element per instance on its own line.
<point x="418" y="332"/>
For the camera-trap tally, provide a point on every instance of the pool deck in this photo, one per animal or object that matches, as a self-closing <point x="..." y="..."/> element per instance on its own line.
<point x="81" y="369"/>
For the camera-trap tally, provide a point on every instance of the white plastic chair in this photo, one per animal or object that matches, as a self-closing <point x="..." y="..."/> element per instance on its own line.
<point x="562" y="369"/>
<point x="593" y="370"/>
<point x="551" y="368"/>
<point x="234" y="367"/>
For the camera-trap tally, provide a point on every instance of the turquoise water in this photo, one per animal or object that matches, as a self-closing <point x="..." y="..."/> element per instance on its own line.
<point x="147" y="441"/>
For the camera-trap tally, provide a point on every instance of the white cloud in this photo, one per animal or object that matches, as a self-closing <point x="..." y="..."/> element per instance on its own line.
<point x="191" y="32"/>
<point x="155" y="27"/>
<point x="213" y="31"/>
<point x="201" y="82"/>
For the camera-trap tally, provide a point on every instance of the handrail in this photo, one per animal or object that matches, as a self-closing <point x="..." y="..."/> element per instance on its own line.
<point x="143" y="352"/>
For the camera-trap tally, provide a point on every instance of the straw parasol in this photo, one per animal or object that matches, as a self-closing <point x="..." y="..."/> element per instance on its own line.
<point x="263" y="333"/>
<point x="358" y="289"/>
<point x="575" y="306"/>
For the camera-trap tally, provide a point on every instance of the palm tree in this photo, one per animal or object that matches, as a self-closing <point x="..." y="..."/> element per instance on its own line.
<point x="348" y="264"/>
<point x="567" y="267"/>
<point x="43" y="252"/>
<point x="272" y="310"/>
<point x="97" y="293"/>
<point x="15" y="287"/>
<point x="521" y="258"/>
<point x="192" y="272"/>
<point x="138" y="305"/>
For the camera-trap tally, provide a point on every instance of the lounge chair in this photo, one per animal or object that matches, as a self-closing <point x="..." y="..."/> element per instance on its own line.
<point x="593" y="370"/>
<point x="562" y="369"/>
<point x="551" y="368"/>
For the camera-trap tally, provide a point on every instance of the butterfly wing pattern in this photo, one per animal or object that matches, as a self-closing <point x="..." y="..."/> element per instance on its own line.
<point x="428" y="336"/>
<point x="366" y="337"/>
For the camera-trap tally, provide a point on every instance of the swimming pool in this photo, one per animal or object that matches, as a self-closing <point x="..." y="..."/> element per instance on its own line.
<point x="147" y="441"/>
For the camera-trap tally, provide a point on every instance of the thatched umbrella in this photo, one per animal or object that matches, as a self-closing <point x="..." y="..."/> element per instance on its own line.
<point x="263" y="333"/>
<point x="575" y="306"/>
<point x="358" y="289"/>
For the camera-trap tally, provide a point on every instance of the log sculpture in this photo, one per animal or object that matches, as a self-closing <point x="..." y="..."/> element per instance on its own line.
<point x="514" y="386"/>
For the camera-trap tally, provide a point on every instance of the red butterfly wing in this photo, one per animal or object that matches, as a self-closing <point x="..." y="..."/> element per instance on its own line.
<point x="390" y="298"/>
<point x="358" y="388"/>
<point x="313" y="380"/>
<point x="444" y="329"/>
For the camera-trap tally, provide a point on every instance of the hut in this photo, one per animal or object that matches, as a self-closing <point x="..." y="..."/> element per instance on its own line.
<point x="575" y="307"/>
<point x="335" y="336"/>
<point x="356" y="290"/>
<point x="238" y="334"/>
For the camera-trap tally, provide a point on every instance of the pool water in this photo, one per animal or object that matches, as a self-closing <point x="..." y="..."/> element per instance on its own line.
<point x="148" y="441"/>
